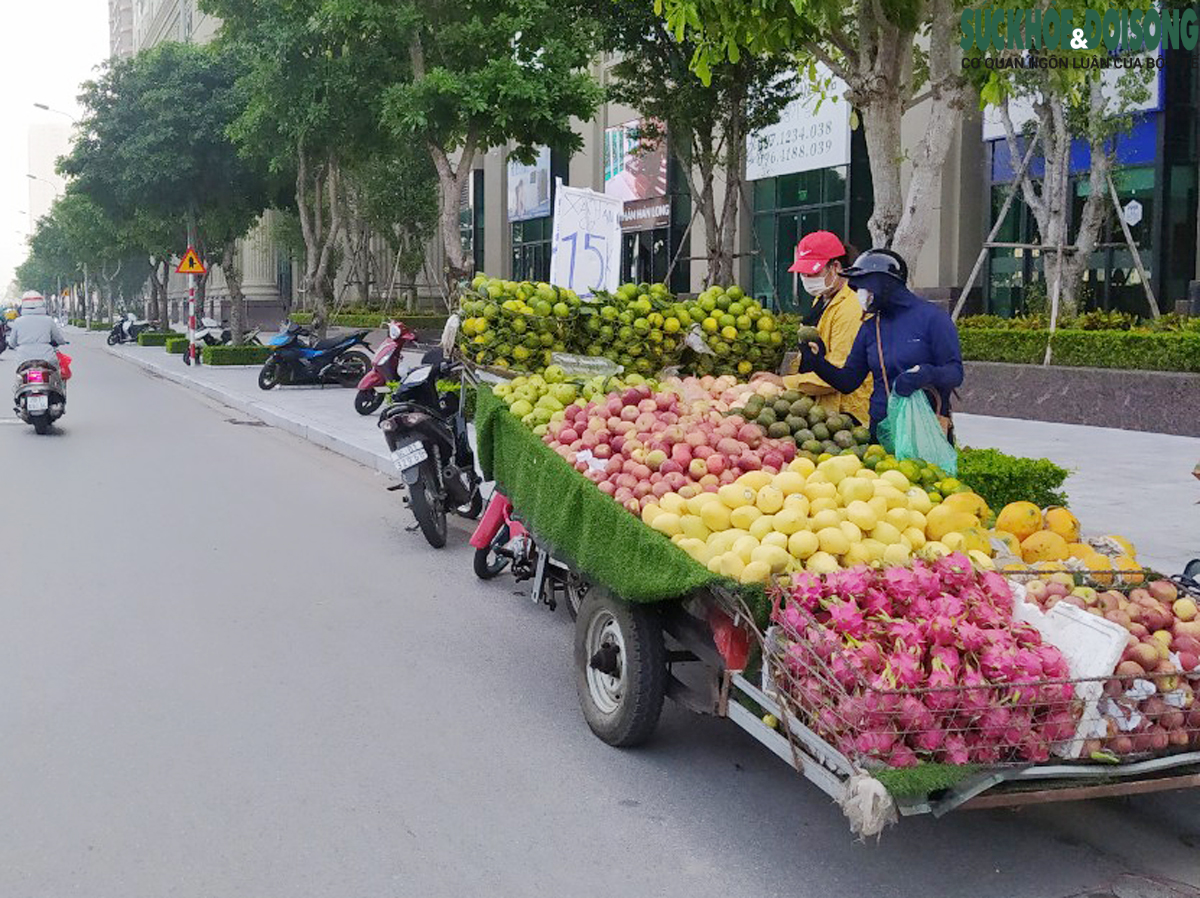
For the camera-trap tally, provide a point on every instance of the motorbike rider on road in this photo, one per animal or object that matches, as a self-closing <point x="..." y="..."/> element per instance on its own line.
<point x="35" y="335"/>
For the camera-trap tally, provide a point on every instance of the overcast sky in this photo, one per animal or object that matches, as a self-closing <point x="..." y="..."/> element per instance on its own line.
<point x="47" y="47"/>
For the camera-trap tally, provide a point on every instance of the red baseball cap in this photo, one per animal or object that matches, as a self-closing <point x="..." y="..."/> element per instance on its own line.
<point x="814" y="251"/>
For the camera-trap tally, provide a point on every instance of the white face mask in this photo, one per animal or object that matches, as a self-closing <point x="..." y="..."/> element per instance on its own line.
<point x="814" y="286"/>
<point x="865" y="298"/>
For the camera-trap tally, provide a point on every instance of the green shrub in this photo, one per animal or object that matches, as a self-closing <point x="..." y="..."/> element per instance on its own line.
<point x="155" y="338"/>
<point x="100" y="326"/>
<point x="176" y="345"/>
<point x="235" y="355"/>
<point x="373" y="320"/>
<point x="1001" y="479"/>
<point x="995" y="345"/>
<point x="1129" y="350"/>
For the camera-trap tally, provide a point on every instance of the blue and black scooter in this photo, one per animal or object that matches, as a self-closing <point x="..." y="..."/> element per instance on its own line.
<point x="296" y="360"/>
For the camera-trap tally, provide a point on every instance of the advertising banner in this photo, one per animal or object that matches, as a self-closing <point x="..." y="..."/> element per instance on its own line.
<point x="529" y="188"/>
<point x="813" y="132"/>
<point x="633" y="171"/>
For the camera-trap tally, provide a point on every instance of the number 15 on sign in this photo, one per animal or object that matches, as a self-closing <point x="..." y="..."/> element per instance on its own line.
<point x="585" y="254"/>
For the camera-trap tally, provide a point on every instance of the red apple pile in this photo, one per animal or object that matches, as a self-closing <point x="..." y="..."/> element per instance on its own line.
<point x="1150" y="705"/>
<point x="638" y="445"/>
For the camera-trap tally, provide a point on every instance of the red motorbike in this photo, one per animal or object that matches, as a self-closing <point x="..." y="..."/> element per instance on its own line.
<point x="501" y="540"/>
<point x="385" y="368"/>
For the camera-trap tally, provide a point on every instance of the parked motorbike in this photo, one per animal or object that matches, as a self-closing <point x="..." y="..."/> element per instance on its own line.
<point x="214" y="333"/>
<point x="295" y="359"/>
<point x="39" y="396"/>
<point x="426" y="432"/>
<point x="501" y="541"/>
<point x="127" y="329"/>
<point x="3" y="336"/>
<point x="385" y="367"/>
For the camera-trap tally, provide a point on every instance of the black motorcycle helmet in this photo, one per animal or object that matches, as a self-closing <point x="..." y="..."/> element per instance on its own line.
<point x="878" y="261"/>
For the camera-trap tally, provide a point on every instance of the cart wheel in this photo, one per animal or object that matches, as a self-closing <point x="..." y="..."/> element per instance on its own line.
<point x="620" y="668"/>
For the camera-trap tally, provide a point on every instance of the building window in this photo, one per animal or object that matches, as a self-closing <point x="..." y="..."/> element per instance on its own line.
<point x="471" y="219"/>
<point x="785" y="209"/>
<point x="531" y="249"/>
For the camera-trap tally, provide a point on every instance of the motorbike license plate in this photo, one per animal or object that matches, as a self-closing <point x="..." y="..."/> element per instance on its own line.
<point x="37" y="403"/>
<point x="408" y="455"/>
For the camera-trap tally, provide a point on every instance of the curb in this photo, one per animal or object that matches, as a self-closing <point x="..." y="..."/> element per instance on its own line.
<point x="297" y="426"/>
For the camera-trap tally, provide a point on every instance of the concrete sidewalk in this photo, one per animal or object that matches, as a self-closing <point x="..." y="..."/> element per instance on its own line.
<point x="1139" y="485"/>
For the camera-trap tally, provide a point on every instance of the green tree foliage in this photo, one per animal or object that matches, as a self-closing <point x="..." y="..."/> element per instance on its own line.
<point x="1069" y="102"/>
<point x="483" y="74"/>
<point x="154" y="148"/>
<point x="891" y="57"/>
<point x="705" y="123"/>
<point x="310" y="96"/>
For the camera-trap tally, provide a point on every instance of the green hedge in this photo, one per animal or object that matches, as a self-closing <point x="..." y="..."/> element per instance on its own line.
<point x="177" y="345"/>
<point x="155" y="338"/>
<point x="100" y="326"/>
<point x="235" y="355"/>
<point x="1129" y="350"/>
<point x="374" y="320"/>
<point x="1001" y="479"/>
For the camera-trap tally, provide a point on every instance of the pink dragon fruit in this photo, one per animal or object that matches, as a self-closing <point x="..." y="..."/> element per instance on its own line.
<point x="976" y="694"/>
<point x="1059" y="726"/>
<point x="970" y="636"/>
<point x="997" y="588"/>
<point x="929" y="740"/>
<point x="955" y="570"/>
<point x="807" y="590"/>
<point x="993" y="722"/>
<point x="1033" y="749"/>
<point x="1026" y="634"/>
<point x="850" y="583"/>
<point x="928" y="581"/>
<point x="875" y="602"/>
<point x="907" y="635"/>
<point x="912" y="716"/>
<point x="990" y="617"/>
<point x="875" y="743"/>
<point x="943" y="696"/>
<point x="1054" y="665"/>
<point x="852" y="712"/>
<point x="998" y="663"/>
<point x="902" y="756"/>
<point x="1027" y="664"/>
<point x="901" y="584"/>
<point x="903" y="670"/>
<point x="846" y="674"/>
<point x="951" y="606"/>
<point x="922" y="608"/>
<point x="955" y="750"/>
<point x="982" y="748"/>
<point x="941" y="630"/>
<point x="792" y="619"/>
<point x="866" y="657"/>
<point x="881" y="706"/>
<point x="847" y="619"/>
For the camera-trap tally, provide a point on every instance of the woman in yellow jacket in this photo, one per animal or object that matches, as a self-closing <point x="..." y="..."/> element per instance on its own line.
<point x="837" y="315"/>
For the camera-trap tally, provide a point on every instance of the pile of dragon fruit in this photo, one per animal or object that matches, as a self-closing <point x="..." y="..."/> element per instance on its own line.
<point x="921" y="663"/>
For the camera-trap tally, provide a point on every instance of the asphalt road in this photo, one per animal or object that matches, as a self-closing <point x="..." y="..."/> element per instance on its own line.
<point x="227" y="671"/>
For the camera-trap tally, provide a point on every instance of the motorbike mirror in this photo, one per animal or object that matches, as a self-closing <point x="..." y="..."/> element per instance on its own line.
<point x="450" y="335"/>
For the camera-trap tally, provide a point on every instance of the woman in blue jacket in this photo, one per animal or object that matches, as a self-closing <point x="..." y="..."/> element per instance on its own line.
<point x="906" y="343"/>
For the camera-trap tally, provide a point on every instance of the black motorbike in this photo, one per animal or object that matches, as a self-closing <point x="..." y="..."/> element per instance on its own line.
<point x="426" y="432"/>
<point x="295" y="359"/>
<point x="126" y="330"/>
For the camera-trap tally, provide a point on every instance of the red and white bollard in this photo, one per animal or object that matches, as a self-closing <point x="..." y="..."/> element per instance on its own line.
<point x="193" y="357"/>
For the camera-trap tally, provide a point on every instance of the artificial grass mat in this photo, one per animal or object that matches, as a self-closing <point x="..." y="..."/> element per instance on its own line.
<point x="922" y="780"/>
<point x="586" y="528"/>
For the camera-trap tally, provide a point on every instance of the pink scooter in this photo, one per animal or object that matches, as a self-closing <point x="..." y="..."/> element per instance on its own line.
<point x="385" y="368"/>
<point x="501" y="540"/>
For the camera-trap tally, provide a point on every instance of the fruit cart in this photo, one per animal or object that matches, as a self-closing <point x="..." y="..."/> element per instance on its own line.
<point x="653" y="624"/>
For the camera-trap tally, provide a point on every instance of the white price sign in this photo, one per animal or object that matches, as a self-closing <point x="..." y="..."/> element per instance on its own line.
<point x="585" y="255"/>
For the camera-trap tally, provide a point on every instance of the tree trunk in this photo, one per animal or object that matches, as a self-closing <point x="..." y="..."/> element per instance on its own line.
<point x="318" y="192"/>
<point x="152" y="313"/>
<point x="237" y="299"/>
<point x="451" y="183"/>
<point x="735" y="159"/>
<point x="947" y="92"/>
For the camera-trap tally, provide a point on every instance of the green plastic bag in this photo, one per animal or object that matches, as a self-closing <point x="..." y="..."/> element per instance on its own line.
<point x="911" y="430"/>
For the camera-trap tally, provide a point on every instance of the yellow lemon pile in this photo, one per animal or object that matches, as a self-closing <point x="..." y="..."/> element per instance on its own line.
<point x="818" y="517"/>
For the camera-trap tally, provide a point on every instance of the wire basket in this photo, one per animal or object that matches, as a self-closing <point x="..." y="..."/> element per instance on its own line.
<point x="978" y="695"/>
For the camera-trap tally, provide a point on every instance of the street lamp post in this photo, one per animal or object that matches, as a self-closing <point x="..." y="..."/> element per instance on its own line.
<point x="45" y="108"/>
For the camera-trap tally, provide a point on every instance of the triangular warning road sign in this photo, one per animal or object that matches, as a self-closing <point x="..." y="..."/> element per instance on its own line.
<point x="191" y="263"/>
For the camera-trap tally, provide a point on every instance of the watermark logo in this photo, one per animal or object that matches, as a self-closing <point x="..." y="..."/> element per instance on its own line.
<point x="1130" y="31"/>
